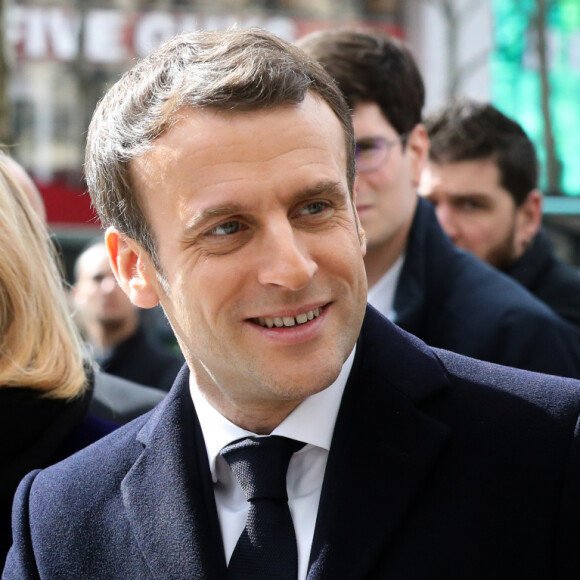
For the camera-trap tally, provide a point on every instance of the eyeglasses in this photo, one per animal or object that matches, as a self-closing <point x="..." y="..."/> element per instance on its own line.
<point x="373" y="152"/>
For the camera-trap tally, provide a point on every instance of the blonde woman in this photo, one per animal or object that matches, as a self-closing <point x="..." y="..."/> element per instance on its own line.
<point x="44" y="390"/>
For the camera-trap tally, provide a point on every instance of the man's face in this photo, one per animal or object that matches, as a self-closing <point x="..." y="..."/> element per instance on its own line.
<point x="386" y="197"/>
<point x="477" y="213"/>
<point x="96" y="294"/>
<point x="260" y="251"/>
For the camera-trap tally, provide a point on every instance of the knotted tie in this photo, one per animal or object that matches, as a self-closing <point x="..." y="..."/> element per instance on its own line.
<point x="267" y="546"/>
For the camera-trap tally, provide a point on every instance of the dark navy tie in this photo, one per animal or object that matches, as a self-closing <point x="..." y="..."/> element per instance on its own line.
<point x="267" y="547"/>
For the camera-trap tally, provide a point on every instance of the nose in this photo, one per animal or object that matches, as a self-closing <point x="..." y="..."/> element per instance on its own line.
<point x="286" y="259"/>
<point x="109" y="284"/>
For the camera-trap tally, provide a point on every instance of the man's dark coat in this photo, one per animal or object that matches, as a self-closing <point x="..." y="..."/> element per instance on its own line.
<point x="452" y="300"/>
<point x="548" y="278"/>
<point x="441" y="466"/>
<point x="143" y="359"/>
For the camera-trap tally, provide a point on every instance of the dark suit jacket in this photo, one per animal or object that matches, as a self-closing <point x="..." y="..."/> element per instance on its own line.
<point x="143" y="359"/>
<point x="452" y="300"/>
<point x="550" y="279"/>
<point x="441" y="467"/>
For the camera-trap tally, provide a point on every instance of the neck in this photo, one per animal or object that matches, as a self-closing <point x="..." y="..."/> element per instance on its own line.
<point x="254" y="414"/>
<point x="260" y="417"/>
<point x="380" y="258"/>
<point x="262" y="423"/>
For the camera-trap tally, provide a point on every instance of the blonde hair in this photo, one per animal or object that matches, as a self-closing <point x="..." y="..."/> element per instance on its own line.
<point x="39" y="345"/>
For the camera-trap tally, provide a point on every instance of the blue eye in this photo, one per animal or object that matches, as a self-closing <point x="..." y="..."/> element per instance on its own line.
<point x="314" y="208"/>
<point x="226" y="229"/>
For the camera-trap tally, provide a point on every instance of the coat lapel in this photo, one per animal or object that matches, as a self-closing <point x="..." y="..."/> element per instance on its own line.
<point x="409" y="300"/>
<point x="424" y="279"/>
<point x="168" y="495"/>
<point x="383" y="448"/>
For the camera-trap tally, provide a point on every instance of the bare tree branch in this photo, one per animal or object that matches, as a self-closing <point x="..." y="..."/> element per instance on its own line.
<point x="553" y="165"/>
<point x="454" y="19"/>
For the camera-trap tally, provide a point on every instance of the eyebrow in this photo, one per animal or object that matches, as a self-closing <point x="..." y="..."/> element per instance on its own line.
<point x="333" y="188"/>
<point x="453" y="193"/>
<point x="469" y="194"/>
<point x="323" y="188"/>
<point x="368" y="138"/>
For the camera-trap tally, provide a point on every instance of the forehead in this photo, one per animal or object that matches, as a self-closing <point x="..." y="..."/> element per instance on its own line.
<point x="94" y="261"/>
<point x="211" y="151"/>
<point x="476" y="175"/>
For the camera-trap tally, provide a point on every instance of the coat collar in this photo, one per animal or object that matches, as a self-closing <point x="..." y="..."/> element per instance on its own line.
<point x="168" y="495"/>
<point x="425" y="275"/>
<point x="383" y="448"/>
<point x="533" y="264"/>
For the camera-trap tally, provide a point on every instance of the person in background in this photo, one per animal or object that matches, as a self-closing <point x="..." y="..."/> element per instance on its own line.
<point x="308" y="436"/>
<point x="482" y="178"/>
<point x="44" y="391"/>
<point x="118" y="340"/>
<point x="26" y="183"/>
<point x="416" y="276"/>
<point x="113" y="398"/>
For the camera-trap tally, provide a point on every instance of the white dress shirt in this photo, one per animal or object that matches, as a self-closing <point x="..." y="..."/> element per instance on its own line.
<point x="382" y="292"/>
<point x="311" y="422"/>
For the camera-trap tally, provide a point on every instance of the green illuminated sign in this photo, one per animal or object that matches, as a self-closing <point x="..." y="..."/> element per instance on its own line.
<point x="516" y="88"/>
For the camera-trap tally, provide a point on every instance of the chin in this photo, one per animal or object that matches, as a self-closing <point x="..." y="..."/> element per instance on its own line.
<point x="302" y="387"/>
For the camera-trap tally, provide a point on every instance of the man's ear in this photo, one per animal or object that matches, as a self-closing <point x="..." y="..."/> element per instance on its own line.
<point x="418" y="148"/>
<point x="132" y="268"/>
<point x="528" y="219"/>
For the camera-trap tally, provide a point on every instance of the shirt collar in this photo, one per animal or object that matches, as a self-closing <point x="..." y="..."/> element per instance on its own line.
<point x="381" y="294"/>
<point x="311" y="422"/>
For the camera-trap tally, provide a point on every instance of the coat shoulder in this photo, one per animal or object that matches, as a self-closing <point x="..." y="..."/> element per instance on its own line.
<point x="551" y="394"/>
<point x="94" y="468"/>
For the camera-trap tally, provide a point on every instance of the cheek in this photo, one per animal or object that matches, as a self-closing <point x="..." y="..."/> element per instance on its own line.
<point x="387" y="178"/>
<point x="119" y="294"/>
<point x="496" y="227"/>
<point x="209" y="294"/>
<point x="375" y="180"/>
<point x="347" y="263"/>
<point x="477" y="234"/>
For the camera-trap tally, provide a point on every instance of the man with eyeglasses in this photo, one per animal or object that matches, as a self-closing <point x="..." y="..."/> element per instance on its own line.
<point x="416" y="276"/>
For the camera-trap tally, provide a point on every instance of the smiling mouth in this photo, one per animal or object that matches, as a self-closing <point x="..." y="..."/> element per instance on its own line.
<point x="288" y="321"/>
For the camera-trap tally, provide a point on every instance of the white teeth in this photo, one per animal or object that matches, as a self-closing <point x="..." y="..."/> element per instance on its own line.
<point x="288" y="321"/>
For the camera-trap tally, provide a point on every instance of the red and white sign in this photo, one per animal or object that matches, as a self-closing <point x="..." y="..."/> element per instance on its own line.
<point x="110" y="36"/>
